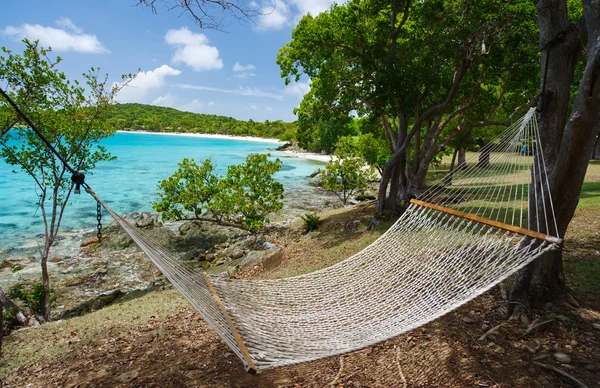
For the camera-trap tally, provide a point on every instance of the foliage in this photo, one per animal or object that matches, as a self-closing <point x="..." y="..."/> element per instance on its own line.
<point x="152" y="118"/>
<point x="70" y="115"/>
<point x="249" y="192"/>
<point x="427" y="71"/>
<point x="244" y="197"/>
<point x="32" y="296"/>
<point x="311" y="222"/>
<point x="190" y="188"/>
<point x="347" y="172"/>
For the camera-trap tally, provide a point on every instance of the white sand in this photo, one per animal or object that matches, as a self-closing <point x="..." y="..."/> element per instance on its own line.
<point x="307" y="155"/>
<point x="213" y="136"/>
<point x="303" y="155"/>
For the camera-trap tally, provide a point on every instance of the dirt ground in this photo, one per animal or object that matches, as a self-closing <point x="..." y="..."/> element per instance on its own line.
<point x="180" y="350"/>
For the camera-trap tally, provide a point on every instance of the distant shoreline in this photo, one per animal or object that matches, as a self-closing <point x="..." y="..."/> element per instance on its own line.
<point x="304" y="155"/>
<point x="210" y="135"/>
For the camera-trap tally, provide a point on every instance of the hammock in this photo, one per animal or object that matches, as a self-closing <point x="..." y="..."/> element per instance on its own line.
<point x="467" y="233"/>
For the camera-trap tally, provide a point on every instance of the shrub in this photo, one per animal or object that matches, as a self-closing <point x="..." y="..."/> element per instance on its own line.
<point x="31" y="296"/>
<point x="311" y="222"/>
<point x="348" y="173"/>
<point x="244" y="197"/>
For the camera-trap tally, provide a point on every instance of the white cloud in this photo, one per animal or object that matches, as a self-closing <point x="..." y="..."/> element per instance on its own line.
<point x="69" y="25"/>
<point x="145" y="81"/>
<point x="276" y="14"/>
<point x="193" y="50"/>
<point x="297" y="89"/>
<point x="211" y="103"/>
<point x="194" y="106"/>
<point x="242" y="71"/>
<point x="239" y="91"/>
<point x="166" y="100"/>
<point x="241" y="68"/>
<point x="70" y="38"/>
<point x="268" y="109"/>
<point x="253" y="107"/>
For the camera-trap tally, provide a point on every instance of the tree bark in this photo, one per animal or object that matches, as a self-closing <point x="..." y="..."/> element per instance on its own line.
<point x="567" y="145"/>
<point x="462" y="159"/>
<point x="46" y="307"/>
<point x="9" y="305"/>
<point x="448" y="178"/>
<point x="596" y="154"/>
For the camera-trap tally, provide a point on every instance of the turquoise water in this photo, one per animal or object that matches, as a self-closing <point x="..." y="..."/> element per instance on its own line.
<point x="129" y="183"/>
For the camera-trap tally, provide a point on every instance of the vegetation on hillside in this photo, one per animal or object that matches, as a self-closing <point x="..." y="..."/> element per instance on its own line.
<point x="140" y="117"/>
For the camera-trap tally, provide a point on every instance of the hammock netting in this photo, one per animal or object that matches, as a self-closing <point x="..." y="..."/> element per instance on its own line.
<point x="465" y="234"/>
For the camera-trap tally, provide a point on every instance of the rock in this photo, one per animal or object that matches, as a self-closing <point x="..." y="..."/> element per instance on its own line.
<point x="548" y="305"/>
<point x="92" y="305"/>
<point x="191" y="255"/>
<point x="89" y="241"/>
<point x="283" y="147"/>
<point x="237" y="253"/>
<point x="157" y="273"/>
<point x="563" y="318"/>
<point x="56" y="259"/>
<point x="562" y="358"/>
<point x="101" y="373"/>
<point x="364" y="197"/>
<point x="485" y="327"/>
<point x="145" y="222"/>
<point x="127" y="376"/>
<point x="590" y="367"/>
<point x="314" y="174"/>
<point x="468" y="320"/>
<point x="231" y="270"/>
<point x="596" y="326"/>
<point x="316" y="181"/>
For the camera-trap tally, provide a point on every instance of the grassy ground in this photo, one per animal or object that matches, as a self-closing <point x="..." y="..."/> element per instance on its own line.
<point x="159" y="341"/>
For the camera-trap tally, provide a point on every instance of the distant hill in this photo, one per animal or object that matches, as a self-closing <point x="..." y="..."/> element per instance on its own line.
<point x="135" y="117"/>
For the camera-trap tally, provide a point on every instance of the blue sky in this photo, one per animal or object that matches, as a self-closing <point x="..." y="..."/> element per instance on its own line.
<point x="181" y="66"/>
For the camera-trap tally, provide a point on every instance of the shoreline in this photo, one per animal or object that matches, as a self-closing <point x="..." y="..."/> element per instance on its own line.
<point x="210" y="136"/>
<point x="303" y="155"/>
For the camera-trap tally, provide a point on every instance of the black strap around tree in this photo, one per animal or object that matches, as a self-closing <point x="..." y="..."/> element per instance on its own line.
<point x="77" y="177"/>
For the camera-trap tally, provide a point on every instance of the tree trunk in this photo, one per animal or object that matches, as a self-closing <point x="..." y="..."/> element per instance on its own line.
<point x="462" y="159"/>
<point x="567" y="145"/>
<point x="448" y="178"/>
<point x="46" y="308"/>
<point x="596" y="154"/>
<point x="9" y="305"/>
<point x="484" y="154"/>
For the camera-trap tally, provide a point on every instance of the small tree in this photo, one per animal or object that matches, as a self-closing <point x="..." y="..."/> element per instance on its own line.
<point x="70" y="118"/>
<point x="244" y="197"/>
<point x="191" y="188"/>
<point x="347" y="172"/>
<point x="249" y="192"/>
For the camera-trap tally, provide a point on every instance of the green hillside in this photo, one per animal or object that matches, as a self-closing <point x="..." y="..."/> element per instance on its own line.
<point x="130" y="117"/>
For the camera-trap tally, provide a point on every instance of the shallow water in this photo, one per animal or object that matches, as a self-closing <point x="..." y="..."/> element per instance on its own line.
<point x="129" y="183"/>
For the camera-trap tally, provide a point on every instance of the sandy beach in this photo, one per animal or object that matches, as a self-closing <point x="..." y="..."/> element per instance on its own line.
<point x="304" y="155"/>
<point x="213" y="136"/>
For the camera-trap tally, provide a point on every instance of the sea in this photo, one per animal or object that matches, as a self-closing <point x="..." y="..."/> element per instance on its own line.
<point x="129" y="183"/>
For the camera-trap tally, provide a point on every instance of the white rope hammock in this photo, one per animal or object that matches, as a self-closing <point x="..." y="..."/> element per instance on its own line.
<point x="453" y="243"/>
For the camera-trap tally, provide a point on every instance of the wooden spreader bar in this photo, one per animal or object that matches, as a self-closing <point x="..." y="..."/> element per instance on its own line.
<point x="486" y="221"/>
<point x="238" y="338"/>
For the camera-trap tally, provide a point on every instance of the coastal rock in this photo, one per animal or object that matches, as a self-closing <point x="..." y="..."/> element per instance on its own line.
<point x="97" y="303"/>
<point x="364" y="197"/>
<point x="316" y="181"/>
<point x="562" y="358"/>
<point x="284" y="147"/>
<point x="89" y="241"/>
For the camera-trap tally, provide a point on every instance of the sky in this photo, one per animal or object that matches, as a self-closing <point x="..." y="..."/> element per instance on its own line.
<point x="230" y="73"/>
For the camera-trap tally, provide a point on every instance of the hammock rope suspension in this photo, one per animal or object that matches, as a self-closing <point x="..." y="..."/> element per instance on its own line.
<point x="461" y="237"/>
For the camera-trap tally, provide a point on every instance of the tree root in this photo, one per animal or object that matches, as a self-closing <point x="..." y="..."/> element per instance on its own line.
<point x="561" y="372"/>
<point x="337" y="376"/>
<point x="402" y="378"/>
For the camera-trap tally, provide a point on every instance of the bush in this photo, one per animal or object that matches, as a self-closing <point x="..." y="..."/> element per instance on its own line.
<point x="348" y="173"/>
<point x="244" y="197"/>
<point x="31" y="296"/>
<point x="311" y="222"/>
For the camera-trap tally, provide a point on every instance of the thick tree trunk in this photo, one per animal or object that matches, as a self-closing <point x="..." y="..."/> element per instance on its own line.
<point x="9" y="305"/>
<point x="596" y="154"/>
<point x="567" y="146"/>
